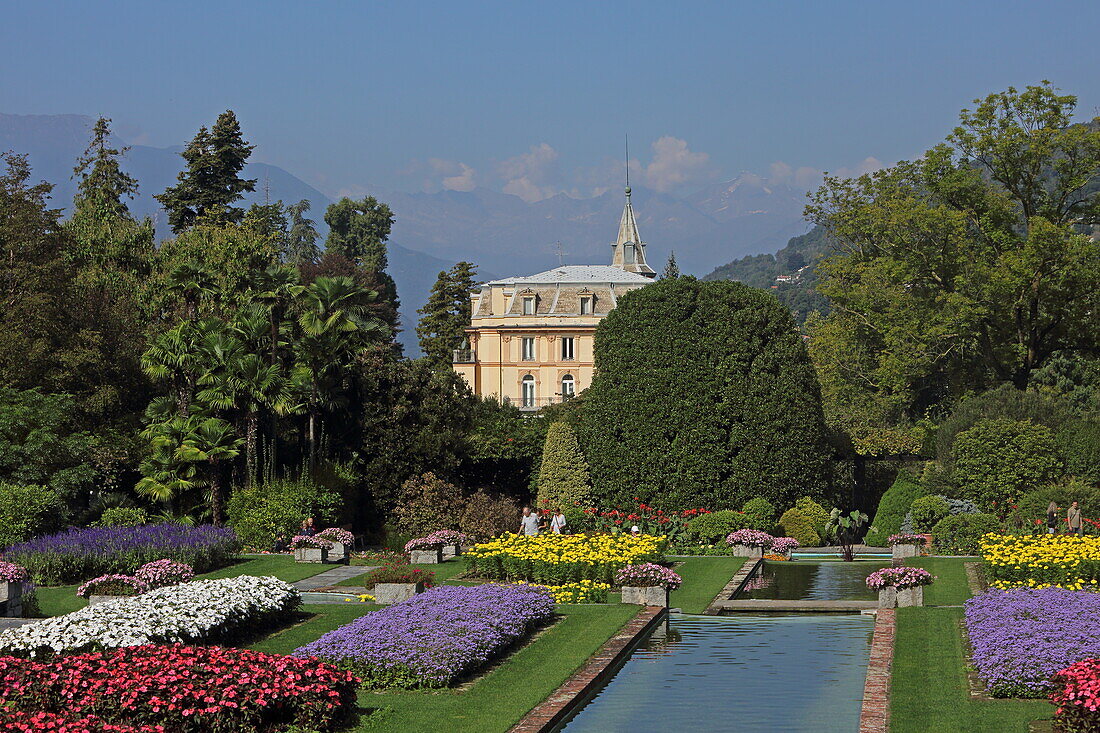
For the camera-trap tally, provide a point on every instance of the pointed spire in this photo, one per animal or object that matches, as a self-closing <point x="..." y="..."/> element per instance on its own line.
<point x="628" y="250"/>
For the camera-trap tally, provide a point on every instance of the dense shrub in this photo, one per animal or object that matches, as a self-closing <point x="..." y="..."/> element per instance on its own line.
<point x="892" y="508"/>
<point x="816" y="513"/>
<point x="122" y="516"/>
<point x="1033" y="504"/>
<point x="563" y="475"/>
<point x="959" y="534"/>
<point x="428" y="503"/>
<point x="487" y="515"/>
<point x="926" y="511"/>
<point x="1079" y="442"/>
<point x="998" y="460"/>
<point x="713" y="527"/>
<point x="796" y="523"/>
<point x="761" y="513"/>
<point x="277" y="509"/>
<point x="1004" y="402"/>
<point x="26" y="511"/>
<point x="703" y="395"/>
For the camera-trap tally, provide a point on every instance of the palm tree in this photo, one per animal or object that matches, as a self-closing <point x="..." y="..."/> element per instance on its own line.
<point x="210" y="443"/>
<point x="190" y="282"/>
<point x="278" y="286"/>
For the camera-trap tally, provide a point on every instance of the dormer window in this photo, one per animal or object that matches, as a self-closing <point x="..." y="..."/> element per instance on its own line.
<point x="586" y="305"/>
<point x="529" y="305"/>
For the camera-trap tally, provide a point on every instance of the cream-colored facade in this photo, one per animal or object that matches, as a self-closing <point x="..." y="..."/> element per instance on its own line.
<point x="530" y="340"/>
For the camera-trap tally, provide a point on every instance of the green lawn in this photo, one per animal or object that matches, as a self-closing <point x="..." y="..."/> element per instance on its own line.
<point x="703" y="578"/>
<point x="928" y="684"/>
<point x="443" y="572"/>
<point x="950" y="587"/>
<point x="322" y="619"/>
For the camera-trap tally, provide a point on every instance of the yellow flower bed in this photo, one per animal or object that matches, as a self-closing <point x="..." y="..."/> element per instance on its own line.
<point x="556" y="559"/>
<point x="583" y="591"/>
<point x="1042" y="561"/>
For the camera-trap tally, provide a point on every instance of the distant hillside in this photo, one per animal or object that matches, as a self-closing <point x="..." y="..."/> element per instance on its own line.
<point x="789" y="273"/>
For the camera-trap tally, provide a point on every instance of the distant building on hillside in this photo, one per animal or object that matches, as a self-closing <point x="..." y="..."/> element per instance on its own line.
<point x="530" y="340"/>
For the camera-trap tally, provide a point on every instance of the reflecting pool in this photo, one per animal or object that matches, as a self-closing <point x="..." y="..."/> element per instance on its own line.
<point x="813" y="581"/>
<point x="800" y="672"/>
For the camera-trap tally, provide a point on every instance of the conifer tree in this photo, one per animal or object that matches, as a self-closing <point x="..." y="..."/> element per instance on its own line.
<point x="672" y="270"/>
<point x="211" y="183"/>
<point x="358" y="230"/>
<point x="446" y="315"/>
<point x="563" y="476"/>
<point x="301" y="245"/>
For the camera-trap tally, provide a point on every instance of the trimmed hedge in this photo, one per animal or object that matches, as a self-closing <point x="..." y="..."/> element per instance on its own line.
<point x="800" y="525"/>
<point x="761" y="513"/>
<point x="959" y="533"/>
<point x="927" y="510"/>
<point x="816" y="513"/>
<point x="893" y="507"/>
<point x="713" y="527"/>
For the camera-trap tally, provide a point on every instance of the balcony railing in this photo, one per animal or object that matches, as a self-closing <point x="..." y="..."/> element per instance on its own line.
<point x="464" y="356"/>
<point x="535" y="403"/>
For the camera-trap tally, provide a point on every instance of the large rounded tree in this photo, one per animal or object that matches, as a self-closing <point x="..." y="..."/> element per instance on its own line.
<point x="704" y="396"/>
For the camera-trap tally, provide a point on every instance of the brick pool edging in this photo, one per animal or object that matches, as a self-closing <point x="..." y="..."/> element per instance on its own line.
<point x="732" y="588"/>
<point x="563" y="701"/>
<point x="874" y="716"/>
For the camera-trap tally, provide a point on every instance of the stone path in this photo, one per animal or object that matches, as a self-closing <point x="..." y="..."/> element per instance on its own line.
<point x="332" y="577"/>
<point x="11" y="623"/>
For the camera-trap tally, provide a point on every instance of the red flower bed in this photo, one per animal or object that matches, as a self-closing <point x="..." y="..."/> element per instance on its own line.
<point x="17" y="722"/>
<point x="1077" y="695"/>
<point x="182" y="688"/>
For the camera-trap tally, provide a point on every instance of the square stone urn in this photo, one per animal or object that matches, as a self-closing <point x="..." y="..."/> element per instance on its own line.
<point x="656" y="595"/>
<point x="450" y="551"/>
<point x="426" y="557"/>
<point x="389" y="593"/>
<point x="746" y="551"/>
<point x="340" y="553"/>
<point x="902" y="551"/>
<point x="311" y="554"/>
<point x="11" y="599"/>
<point x="891" y="597"/>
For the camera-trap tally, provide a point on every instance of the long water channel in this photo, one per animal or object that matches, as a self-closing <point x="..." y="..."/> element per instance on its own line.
<point x="747" y="671"/>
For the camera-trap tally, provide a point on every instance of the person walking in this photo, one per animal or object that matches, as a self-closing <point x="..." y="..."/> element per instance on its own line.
<point x="557" y="523"/>
<point x="1052" y="518"/>
<point x="1073" y="517"/>
<point x="528" y="522"/>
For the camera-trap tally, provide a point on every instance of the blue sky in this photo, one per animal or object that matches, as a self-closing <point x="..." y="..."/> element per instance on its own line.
<point x="535" y="98"/>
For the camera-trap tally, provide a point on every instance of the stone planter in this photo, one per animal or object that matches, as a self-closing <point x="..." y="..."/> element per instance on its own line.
<point x="745" y="551"/>
<point x="96" y="600"/>
<point x="426" y="557"/>
<point x="311" y="554"/>
<point x="891" y="597"/>
<point x="388" y="593"/>
<point x="899" y="552"/>
<point x="450" y="551"/>
<point x="653" y="596"/>
<point x="340" y="553"/>
<point x="11" y="599"/>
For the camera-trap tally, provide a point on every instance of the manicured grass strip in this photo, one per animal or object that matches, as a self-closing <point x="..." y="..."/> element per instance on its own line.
<point x="950" y="587"/>
<point x="443" y="572"/>
<point x="282" y="567"/>
<point x="703" y="578"/>
<point x="59" y="599"/>
<point x="323" y="618"/>
<point x="928" y="686"/>
<point x="498" y="700"/>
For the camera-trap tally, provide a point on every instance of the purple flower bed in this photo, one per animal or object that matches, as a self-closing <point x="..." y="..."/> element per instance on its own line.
<point x="79" y="554"/>
<point x="435" y="637"/>
<point x="1021" y="637"/>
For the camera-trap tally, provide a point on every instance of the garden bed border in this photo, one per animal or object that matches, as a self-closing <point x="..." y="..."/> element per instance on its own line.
<point x="575" y="691"/>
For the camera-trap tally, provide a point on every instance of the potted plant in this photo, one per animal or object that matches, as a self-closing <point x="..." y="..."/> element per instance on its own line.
<point x="12" y="577"/>
<point x="426" y="550"/>
<point x="749" y="542"/>
<point x="906" y="544"/>
<point x="647" y="584"/>
<point x="784" y="546"/>
<point x="341" y="540"/>
<point x="900" y="587"/>
<point x="109" y="587"/>
<point x="163" y="573"/>
<point x="396" y="583"/>
<point x="453" y="542"/>
<point x="310" y="548"/>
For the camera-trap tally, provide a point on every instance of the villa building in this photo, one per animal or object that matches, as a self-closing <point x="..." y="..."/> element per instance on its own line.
<point x="530" y="340"/>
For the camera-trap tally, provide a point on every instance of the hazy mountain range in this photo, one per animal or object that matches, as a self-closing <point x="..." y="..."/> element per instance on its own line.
<point x="501" y="233"/>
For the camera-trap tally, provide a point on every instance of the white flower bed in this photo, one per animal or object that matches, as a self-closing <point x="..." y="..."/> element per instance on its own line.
<point x="190" y="613"/>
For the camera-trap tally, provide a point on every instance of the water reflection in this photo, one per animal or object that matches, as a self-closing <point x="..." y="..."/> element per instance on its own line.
<point x="818" y="581"/>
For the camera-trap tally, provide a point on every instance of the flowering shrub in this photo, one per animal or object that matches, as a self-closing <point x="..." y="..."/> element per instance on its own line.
<point x="183" y="689"/>
<point x="784" y="545"/>
<point x="648" y="575"/>
<point x="312" y="542"/>
<point x="12" y="573"/>
<point x="776" y="558"/>
<point x="162" y="573"/>
<point x="362" y="598"/>
<point x="1021" y="637"/>
<point x="554" y="559"/>
<point x="112" y="585"/>
<point x="1077" y="694"/>
<point x="434" y="637"/>
<point x="901" y="578"/>
<point x="335" y="534"/>
<point x="1042" y="561"/>
<point x="201" y="611"/>
<point x="37" y="722"/>
<point x="436" y="540"/>
<point x="79" y="554"/>
<point x="750" y="538"/>
<point x="650" y="520"/>
<point x="399" y="573"/>
<point x="907" y="538"/>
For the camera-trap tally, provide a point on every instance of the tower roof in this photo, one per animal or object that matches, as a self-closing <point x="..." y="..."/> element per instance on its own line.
<point x="628" y="249"/>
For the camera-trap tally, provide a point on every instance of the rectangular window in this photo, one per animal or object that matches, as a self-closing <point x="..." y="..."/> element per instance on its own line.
<point x="528" y="306"/>
<point x="567" y="348"/>
<point x="586" y="306"/>
<point x="528" y="348"/>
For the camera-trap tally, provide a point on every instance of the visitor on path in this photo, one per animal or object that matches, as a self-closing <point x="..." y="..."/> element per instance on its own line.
<point x="307" y="530"/>
<point x="1052" y="518"/>
<point x="1073" y="518"/>
<point x="528" y="523"/>
<point x="557" y="523"/>
<point x="635" y="531"/>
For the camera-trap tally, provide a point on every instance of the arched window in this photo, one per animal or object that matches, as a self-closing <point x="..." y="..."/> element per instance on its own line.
<point x="568" y="387"/>
<point x="528" y="391"/>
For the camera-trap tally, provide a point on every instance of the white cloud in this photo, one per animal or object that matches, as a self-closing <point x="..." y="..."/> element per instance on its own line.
<point x="532" y="175"/>
<point x="464" y="180"/>
<point x="810" y="178"/>
<point x="674" y="165"/>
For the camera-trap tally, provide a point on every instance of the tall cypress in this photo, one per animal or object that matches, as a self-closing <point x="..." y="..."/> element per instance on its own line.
<point x="446" y="315"/>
